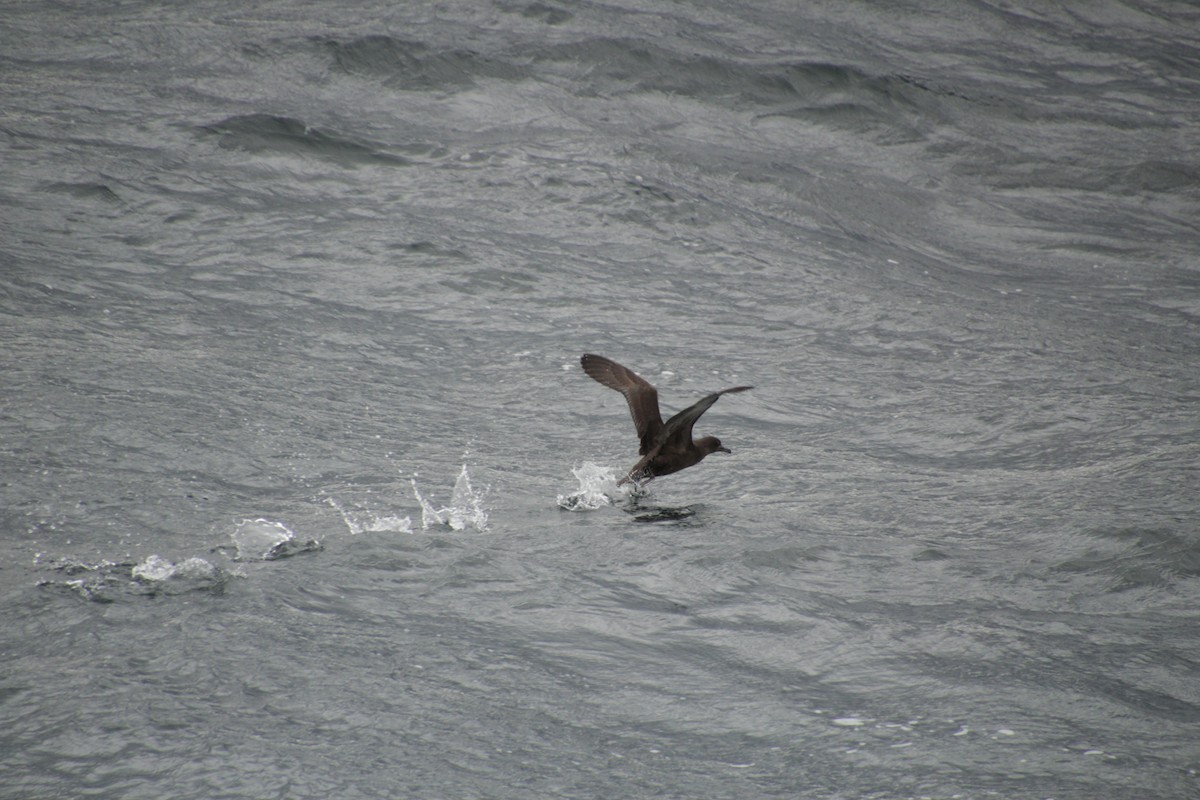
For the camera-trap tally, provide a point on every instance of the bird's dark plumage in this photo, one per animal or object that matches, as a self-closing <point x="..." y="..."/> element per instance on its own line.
<point x="665" y="447"/>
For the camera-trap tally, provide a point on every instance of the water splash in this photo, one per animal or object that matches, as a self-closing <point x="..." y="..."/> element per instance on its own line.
<point x="155" y="568"/>
<point x="264" y="540"/>
<point x="465" y="509"/>
<point x="156" y="575"/>
<point x="368" y="522"/>
<point x="597" y="488"/>
<point x="100" y="582"/>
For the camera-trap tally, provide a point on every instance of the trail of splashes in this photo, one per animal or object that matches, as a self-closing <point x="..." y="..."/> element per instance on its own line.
<point x="465" y="509"/>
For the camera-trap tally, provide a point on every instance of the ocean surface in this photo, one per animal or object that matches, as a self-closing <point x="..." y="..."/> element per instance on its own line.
<point x="303" y="493"/>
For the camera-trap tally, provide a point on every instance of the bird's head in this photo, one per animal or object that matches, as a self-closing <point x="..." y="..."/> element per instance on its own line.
<point x="711" y="444"/>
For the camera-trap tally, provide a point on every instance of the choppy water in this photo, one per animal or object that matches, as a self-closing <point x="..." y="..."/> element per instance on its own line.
<point x="292" y="297"/>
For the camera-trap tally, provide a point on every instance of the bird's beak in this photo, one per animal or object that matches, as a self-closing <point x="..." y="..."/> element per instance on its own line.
<point x="725" y="450"/>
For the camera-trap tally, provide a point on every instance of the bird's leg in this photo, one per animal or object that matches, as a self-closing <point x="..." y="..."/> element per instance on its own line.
<point x="639" y="482"/>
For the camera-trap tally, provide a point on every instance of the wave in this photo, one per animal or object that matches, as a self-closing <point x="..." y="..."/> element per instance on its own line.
<point x="1135" y="557"/>
<point x="405" y="64"/>
<point x="266" y="133"/>
<point x="826" y="93"/>
<point x="85" y="191"/>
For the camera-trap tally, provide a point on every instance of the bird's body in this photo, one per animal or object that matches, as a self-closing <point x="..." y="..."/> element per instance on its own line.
<point x="665" y="447"/>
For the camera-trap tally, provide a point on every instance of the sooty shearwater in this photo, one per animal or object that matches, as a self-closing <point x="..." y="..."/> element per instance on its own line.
<point x="668" y="447"/>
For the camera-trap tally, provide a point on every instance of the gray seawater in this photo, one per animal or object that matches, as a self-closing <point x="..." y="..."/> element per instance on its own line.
<point x="292" y="296"/>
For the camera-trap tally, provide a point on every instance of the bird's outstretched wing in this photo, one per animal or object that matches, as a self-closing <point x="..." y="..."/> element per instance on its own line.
<point x="677" y="433"/>
<point x="641" y="396"/>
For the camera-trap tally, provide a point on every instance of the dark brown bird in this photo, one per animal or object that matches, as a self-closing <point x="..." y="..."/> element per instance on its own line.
<point x="666" y="448"/>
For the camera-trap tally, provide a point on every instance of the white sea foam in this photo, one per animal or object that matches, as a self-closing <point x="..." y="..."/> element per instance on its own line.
<point x="849" y="722"/>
